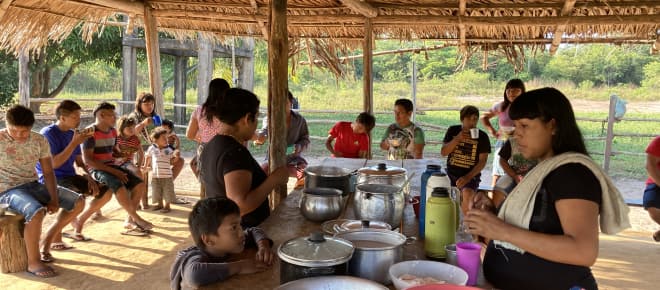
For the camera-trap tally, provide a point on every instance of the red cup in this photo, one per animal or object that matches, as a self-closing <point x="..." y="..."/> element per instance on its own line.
<point x="415" y="204"/>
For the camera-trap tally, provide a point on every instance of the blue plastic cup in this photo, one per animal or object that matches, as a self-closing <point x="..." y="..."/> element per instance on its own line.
<point x="157" y="120"/>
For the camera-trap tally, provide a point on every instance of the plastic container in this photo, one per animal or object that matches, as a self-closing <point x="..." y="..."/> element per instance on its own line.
<point x="440" y="223"/>
<point x="430" y="170"/>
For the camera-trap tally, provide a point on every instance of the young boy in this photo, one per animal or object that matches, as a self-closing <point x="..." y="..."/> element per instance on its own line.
<point x="215" y="226"/>
<point x="466" y="156"/>
<point x="159" y="158"/>
<point x="172" y="139"/>
<point x="351" y="139"/>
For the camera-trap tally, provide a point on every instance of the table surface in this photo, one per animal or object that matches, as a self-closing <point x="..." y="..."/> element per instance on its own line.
<point x="286" y="223"/>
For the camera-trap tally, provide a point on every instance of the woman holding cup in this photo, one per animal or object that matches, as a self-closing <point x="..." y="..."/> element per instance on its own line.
<point x="513" y="89"/>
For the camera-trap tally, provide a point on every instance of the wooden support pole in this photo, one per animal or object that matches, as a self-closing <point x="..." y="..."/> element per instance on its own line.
<point x="153" y="59"/>
<point x="204" y="67"/>
<point x="361" y="7"/>
<point x="246" y="66"/>
<point x="610" y="134"/>
<point x="13" y="255"/>
<point x="368" y="85"/>
<point x="24" y="78"/>
<point x="129" y="75"/>
<point x="559" y="29"/>
<point x="180" y="68"/>
<point x="278" y="49"/>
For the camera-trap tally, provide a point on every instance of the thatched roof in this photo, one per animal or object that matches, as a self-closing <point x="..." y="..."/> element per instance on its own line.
<point x="30" y="23"/>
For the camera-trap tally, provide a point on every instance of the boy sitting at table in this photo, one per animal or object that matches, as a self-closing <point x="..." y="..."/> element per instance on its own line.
<point x="351" y="138"/>
<point x="215" y="226"/>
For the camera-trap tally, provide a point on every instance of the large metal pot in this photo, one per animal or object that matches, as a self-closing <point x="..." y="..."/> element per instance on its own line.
<point x="332" y="283"/>
<point x="383" y="174"/>
<point x="321" y="204"/>
<point x="375" y="252"/>
<point x="329" y="177"/>
<point x="312" y="256"/>
<point x="379" y="202"/>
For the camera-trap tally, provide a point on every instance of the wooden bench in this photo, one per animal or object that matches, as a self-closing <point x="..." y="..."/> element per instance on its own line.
<point x="13" y="255"/>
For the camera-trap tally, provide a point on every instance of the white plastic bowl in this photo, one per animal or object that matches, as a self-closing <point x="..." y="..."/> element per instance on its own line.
<point x="422" y="268"/>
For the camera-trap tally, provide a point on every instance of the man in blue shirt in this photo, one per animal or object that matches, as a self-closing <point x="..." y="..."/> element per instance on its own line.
<point x="65" y="140"/>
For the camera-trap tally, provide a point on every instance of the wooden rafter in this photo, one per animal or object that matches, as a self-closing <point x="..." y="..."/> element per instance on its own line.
<point x="559" y="29"/>
<point x="361" y="7"/>
<point x="4" y="5"/>
<point x="124" y="6"/>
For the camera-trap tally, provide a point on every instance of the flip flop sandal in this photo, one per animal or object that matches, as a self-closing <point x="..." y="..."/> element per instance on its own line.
<point x="78" y="237"/>
<point x="165" y="210"/>
<point x="60" y="246"/>
<point x="45" y="272"/>
<point x="180" y="200"/>
<point x="135" y="232"/>
<point x="46" y="257"/>
<point x="158" y="207"/>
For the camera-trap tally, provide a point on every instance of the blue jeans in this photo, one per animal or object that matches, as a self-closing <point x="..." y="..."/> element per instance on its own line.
<point x="113" y="182"/>
<point x="29" y="198"/>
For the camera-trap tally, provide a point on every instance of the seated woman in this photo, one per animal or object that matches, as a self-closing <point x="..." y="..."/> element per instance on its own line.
<point x="229" y="170"/>
<point x="546" y="233"/>
<point x="297" y="140"/>
<point x="403" y="139"/>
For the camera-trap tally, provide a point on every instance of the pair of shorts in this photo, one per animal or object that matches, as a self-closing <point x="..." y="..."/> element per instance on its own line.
<point x="162" y="189"/>
<point x="505" y="184"/>
<point x="29" y="198"/>
<point x="497" y="168"/>
<point x="472" y="184"/>
<point x="651" y="196"/>
<point x="79" y="184"/>
<point x="113" y="182"/>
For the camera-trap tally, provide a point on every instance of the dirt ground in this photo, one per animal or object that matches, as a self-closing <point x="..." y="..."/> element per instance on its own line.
<point x="114" y="261"/>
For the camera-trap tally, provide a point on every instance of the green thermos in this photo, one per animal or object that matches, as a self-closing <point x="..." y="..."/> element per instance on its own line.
<point x="440" y="223"/>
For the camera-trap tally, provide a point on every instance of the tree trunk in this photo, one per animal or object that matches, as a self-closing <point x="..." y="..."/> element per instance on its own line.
<point x="41" y="83"/>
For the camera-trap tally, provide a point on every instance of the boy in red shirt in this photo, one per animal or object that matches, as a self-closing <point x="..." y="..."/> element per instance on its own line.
<point x="351" y="139"/>
<point x="652" y="191"/>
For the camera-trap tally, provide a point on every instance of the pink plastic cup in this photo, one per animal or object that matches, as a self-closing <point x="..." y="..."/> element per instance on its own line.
<point x="468" y="256"/>
<point x="415" y="205"/>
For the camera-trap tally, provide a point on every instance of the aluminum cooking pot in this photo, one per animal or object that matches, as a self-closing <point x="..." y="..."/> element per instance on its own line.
<point x="321" y="204"/>
<point x="332" y="283"/>
<point x="383" y="174"/>
<point x="379" y="202"/>
<point x="316" y="255"/>
<point x="329" y="177"/>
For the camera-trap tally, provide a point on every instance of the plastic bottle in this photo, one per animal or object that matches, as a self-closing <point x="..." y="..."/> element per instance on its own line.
<point x="430" y="170"/>
<point x="440" y="223"/>
<point x="437" y="179"/>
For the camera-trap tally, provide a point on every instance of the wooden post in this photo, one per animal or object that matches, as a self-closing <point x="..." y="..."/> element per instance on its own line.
<point x="367" y="62"/>
<point x="278" y="49"/>
<point x="413" y="80"/>
<point x="153" y="59"/>
<point x="129" y="75"/>
<point x="24" y="78"/>
<point x="610" y="134"/>
<point x="180" y="68"/>
<point x="204" y="67"/>
<point x="13" y="255"/>
<point x="246" y="67"/>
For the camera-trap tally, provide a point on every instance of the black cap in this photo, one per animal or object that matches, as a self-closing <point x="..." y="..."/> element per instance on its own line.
<point x="434" y="167"/>
<point x="440" y="192"/>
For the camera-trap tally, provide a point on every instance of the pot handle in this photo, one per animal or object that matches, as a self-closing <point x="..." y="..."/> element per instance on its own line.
<point x="410" y="240"/>
<point x="336" y="228"/>
<point x="318" y="271"/>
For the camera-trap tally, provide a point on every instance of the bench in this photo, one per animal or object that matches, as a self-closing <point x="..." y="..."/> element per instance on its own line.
<point x="13" y="255"/>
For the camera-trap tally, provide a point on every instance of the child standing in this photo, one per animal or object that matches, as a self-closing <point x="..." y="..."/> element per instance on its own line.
<point x="466" y="156"/>
<point x="215" y="226"/>
<point x="351" y="139"/>
<point x="160" y="158"/>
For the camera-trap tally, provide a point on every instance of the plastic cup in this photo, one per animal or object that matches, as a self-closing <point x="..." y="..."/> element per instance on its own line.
<point x="451" y="254"/>
<point x="157" y="120"/>
<point x="474" y="133"/>
<point x="468" y="256"/>
<point x="415" y="205"/>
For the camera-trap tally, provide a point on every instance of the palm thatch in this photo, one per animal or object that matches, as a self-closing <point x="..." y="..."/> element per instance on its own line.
<point x="491" y="25"/>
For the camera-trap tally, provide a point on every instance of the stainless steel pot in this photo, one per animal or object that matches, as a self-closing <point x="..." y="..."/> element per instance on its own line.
<point x="375" y="252"/>
<point x="383" y="174"/>
<point x="321" y="204"/>
<point x="332" y="282"/>
<point x="329" y="177"/>
<point x="312" y="256"/>
<point x="379" y="202"/>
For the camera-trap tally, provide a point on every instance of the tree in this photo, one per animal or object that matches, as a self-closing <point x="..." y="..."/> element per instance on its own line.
<point x="8" y="78"/>
<point x="73" y="51"/>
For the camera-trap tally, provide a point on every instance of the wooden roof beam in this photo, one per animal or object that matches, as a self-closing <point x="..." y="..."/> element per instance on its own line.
<point x="649" y="19"/>
<point x="4" y="5"/>
<point x="559" y="29"/>
<point x="262" y="24"/>
<point x="124" y="6"/>
<point x="361" y="7"/>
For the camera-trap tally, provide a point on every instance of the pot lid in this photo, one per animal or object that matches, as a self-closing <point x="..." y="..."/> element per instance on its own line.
<point x="316" y="250"/>
<point x="374" y="239"/>
<point x="365" y="225"/>
<point x="382" y="169"/>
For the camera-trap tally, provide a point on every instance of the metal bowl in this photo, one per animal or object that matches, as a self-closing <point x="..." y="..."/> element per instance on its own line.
<point x="332" y="283"/>
<point x="321" y="204"/>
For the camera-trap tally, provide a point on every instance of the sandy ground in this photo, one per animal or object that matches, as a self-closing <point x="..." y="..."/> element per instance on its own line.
<point x="114" y="261"/>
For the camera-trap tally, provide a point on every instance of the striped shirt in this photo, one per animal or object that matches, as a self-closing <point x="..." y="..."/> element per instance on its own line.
<point x="161" y="161"/>
<point x="102" y="143"/>
<point x="127" y="147"/>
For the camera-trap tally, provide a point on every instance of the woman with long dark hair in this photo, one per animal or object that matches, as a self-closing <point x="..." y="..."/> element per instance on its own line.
<point x="229" y="170"/>
<point x="545" y="234"/>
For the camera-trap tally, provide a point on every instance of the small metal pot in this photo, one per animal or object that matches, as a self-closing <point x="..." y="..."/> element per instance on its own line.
<point x="312" y="256"/>
<point x="329" y="177"/>
<point x="375" y="252"/>
<point x="383" y="174"/>
<point x="321" y="204"/>
<point x="379" y="202"/>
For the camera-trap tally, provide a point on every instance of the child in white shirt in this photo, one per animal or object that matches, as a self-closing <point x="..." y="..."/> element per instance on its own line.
<point x="159" y="159"/>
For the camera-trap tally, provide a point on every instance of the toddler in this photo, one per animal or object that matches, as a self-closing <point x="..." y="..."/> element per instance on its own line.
<point x="159" y="158"/>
